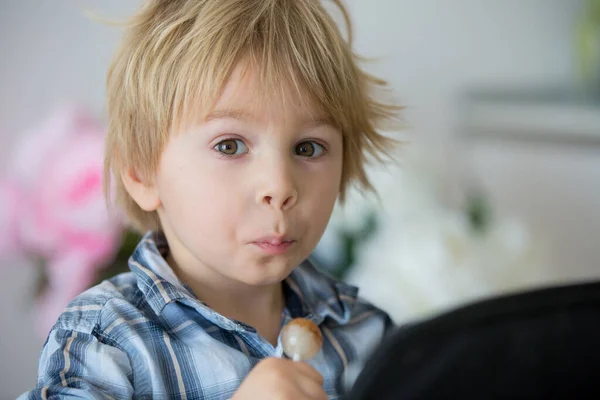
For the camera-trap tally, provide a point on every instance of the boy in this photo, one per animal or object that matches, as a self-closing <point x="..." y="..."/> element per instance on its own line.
<point x="233" y="127"/>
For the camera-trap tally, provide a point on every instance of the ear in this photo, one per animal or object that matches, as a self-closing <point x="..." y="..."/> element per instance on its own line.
<point x="145" y="194"/>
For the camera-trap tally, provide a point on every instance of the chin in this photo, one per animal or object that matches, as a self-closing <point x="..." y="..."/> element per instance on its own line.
<point x="268" y="273"/>
<point x="262" y="280"/>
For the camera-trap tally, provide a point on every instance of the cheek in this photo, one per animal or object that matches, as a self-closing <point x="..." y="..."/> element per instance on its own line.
<point x="325" y="179"/>
<point x="200" y="194"/>
<point x="322" y="188"/>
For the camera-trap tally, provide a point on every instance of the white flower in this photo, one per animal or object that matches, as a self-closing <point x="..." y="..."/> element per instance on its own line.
<point x="426" y="257"/>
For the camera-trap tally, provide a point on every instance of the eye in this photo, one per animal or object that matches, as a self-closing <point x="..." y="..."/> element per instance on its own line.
<point x="309" y="149"/>
<point x="231" y="147"/>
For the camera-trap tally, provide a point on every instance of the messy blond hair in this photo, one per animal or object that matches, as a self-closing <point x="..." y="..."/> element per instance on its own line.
<point x="177" y="55"/>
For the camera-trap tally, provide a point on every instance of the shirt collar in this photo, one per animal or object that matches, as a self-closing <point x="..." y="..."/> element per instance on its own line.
<point x="319" y="295"/>
<point x="155" y="278"/>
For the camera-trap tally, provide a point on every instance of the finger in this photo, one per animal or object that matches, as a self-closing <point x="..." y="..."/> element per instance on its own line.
<point x="309" y="381"/>
<point x="311" y="389"/>
<point x="309" y="371"/>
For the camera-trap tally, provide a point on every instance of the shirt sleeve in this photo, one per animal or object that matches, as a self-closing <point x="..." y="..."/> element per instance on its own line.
<point x="77" y="365"/>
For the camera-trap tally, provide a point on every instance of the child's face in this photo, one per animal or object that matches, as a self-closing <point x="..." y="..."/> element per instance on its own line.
<point x="246" y="195"/>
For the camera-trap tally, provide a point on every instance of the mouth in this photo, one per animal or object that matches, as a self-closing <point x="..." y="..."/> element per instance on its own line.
<point x="273" y="245"/>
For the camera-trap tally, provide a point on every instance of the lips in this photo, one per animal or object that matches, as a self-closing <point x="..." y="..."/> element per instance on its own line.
<point x="274" y="245"/>
<point x="273" y="240"/>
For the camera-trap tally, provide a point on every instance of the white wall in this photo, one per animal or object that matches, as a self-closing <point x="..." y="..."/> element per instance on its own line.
<point x="50" y="53"/>
<point x="427" y="49"/>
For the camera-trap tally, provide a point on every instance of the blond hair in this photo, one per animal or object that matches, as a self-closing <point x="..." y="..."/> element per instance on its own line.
<point x="177" y="55"/>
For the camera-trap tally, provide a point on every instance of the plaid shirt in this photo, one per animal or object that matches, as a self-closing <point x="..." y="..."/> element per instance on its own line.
<point x="143" y="334"/>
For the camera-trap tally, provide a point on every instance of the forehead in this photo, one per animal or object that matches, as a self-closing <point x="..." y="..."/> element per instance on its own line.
<point x="247" y="92"/>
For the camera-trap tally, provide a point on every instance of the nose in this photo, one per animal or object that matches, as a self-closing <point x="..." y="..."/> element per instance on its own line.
<point x="277" y="187"/>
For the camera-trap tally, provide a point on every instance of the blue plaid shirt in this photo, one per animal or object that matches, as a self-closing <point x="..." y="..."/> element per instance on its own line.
<point x="143" y="334"/>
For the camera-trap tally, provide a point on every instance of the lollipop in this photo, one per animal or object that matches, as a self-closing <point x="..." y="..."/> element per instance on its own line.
<point x="301" y="339"/>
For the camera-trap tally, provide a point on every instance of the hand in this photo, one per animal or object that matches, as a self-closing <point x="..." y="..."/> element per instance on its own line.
<point x="277" y="378"/>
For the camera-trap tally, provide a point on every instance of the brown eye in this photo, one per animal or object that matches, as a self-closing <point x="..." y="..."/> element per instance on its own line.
<point x="305" y="149"/>
<point x="231" y="147"/>
<point x="309" y="149"/>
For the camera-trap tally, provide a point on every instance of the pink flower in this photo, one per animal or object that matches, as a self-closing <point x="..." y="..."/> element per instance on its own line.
<point x="53" y="190"/>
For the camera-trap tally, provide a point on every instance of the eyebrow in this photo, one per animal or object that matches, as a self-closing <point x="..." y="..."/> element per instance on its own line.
<point x="228" y="113"/>
<point x="240" y="115"/>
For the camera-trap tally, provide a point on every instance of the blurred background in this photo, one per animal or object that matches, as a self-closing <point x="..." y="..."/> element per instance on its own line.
<point x="497" y="188"/>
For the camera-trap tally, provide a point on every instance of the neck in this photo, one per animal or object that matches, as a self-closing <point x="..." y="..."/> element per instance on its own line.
<point x="258" y="306"/>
